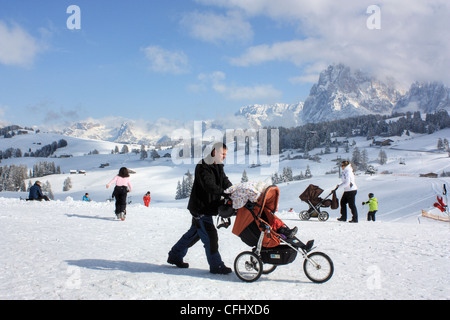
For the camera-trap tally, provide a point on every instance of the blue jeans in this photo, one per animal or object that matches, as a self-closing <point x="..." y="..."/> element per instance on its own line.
<point x="201" y="229"/>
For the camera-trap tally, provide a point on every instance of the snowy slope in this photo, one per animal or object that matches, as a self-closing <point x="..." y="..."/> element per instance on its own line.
<point x="74" y="250"/>
<point x="67" y="249"/>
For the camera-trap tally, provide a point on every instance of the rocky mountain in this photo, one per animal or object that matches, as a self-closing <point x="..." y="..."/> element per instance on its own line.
<point x="280" y="114"/>
<point x="106" y="131"/>
<point x="425" y="97"/>
<point x="342" y="93"/>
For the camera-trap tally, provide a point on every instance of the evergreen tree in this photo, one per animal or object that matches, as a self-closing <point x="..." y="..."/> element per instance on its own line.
<point x="356" y="159"/>
<point x="364" y="160"/>
<point x="144" y="154"/>
<point x="67" y="185"/>
<point x="308" y="172"/>
<point x="184" y="188"/>
<point x="178" y="194"/>
<point x="244" y="177"/>
<point x="287" y="174"/>
<point x="382" y="157"/>
<point x="189" y="183"/>
<point x="440" y="144"/>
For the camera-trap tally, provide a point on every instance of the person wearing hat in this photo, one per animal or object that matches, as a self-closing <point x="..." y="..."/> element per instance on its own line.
<point x="36" y="193"/>
<point x="373" y="207"/>
<point x="350" y="190"/>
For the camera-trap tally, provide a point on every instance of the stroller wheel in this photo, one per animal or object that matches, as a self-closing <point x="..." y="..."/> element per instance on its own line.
<point x="268" y="268"/>
<point x="248" y="266"/>
<point x="318" y="267"/>
<point x="304" y="215"/>
<point x="323" y="216"/>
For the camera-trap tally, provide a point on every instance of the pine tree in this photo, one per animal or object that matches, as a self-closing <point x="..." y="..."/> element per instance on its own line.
<point x="287" y="174"/>
<point x="356" y="159"/>
<point x="364" y="159"/>
<point x="382" y="157"/>
<point x="244" y="177"/>
<point x="440" y="144"/>
<point x="308" y="172"/>
<point x="189" y="184"/>
<point x="67" y="185"/>
<point x="144" y="154"/>
<point x="178" y="194"/>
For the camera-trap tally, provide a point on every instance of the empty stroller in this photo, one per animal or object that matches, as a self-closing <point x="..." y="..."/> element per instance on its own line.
<point x="253" y="226"/>
<point x="311" y="197"/>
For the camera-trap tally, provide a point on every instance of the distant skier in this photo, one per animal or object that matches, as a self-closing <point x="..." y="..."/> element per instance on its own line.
<point x="123" y="186"/>
<point x="147" y="199"/>
<point x="373" y="207"/>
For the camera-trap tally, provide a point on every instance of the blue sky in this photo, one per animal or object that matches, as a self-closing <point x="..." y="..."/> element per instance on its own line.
<point x="202" y="59"/>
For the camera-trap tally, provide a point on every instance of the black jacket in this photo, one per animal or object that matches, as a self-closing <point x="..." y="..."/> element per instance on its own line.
<point x="210" y="182"/>
<point x="35" y="192"/>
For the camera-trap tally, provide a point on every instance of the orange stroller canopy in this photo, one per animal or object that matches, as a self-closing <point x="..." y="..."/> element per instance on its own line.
<point x="250" y="220"/>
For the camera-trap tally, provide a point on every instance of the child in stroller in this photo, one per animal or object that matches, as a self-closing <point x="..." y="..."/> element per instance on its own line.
<point x="226" y="211"/>
<point x="246" y="195"/>
<point x="253" y="225"/>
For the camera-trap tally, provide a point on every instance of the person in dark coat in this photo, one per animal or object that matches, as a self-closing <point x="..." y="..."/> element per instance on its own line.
<point x="209" y="184"/>
<point x="36" y="193"/>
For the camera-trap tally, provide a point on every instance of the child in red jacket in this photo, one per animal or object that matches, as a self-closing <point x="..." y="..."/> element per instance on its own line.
<point x="147" y="199"/>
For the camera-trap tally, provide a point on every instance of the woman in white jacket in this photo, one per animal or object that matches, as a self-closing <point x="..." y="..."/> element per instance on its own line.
<point x="350" y="190"/>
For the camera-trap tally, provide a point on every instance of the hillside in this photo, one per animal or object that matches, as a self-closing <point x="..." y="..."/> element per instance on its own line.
<point x="67" y="249"/>
<point x="73" y="250"/>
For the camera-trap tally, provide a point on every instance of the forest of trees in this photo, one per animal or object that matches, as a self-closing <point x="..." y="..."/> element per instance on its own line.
<point x="44" y="152"/>
<point x="12" y="178"/>
<point x="184" y="187"/>
<point x="315" y="135"/>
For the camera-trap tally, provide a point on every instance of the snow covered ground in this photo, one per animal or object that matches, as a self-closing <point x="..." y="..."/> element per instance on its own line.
<point x="74" y="250"/>
<point x="67" y="249"/>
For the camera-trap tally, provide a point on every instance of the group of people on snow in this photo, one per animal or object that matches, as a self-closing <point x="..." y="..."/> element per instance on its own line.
<point x="210" y="182"/>
<point x="349" y="195"/>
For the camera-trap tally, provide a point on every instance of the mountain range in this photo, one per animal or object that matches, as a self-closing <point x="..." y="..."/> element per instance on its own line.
<point x="339" y="93"/>
<point x="342" y="93"/>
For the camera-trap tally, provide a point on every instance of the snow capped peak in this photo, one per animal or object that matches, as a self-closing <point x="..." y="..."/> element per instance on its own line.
<point x="425" y="97"/>
<point x="278" y="114"/>
<point x="341" y="93"/>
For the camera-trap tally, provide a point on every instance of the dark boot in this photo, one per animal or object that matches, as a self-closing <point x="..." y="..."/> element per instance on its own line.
<point x="178" y="263"/>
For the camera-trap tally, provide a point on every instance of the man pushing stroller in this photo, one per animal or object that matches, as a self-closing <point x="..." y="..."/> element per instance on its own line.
<point x="209" y="184"/>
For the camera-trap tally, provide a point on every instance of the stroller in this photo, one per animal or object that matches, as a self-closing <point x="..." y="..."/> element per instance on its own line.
<point x="311" y="197"/>
<point x="270" y="249"/>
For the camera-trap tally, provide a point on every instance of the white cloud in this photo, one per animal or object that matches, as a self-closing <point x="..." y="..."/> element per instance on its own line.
<point x="215" y="28"/>
<point x="17" y="47"/>
<point x="216" y="81"/>
<point x="165" y="61"/>
<point x="412" y="44"/>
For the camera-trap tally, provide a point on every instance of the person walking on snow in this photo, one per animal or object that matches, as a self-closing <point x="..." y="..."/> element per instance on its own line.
<point x="123" y="186"/>
<point x="373" y="207"/>
<point x="209" y="184"/>
<point x="350" y="190"/>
